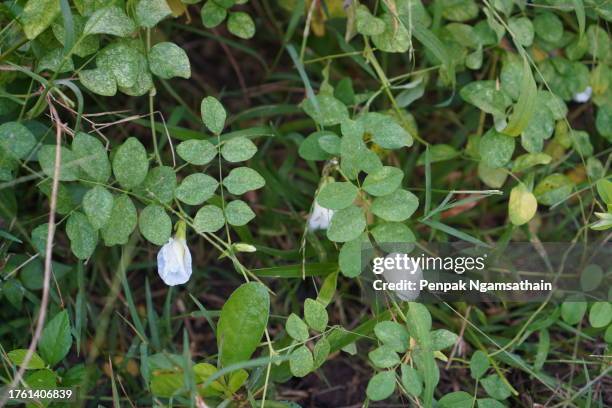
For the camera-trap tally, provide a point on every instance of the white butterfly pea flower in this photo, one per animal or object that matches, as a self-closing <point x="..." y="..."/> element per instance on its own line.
<point x="174" y="258"/>
<point x="584" y="96"/>
<point x="319" y="218"/>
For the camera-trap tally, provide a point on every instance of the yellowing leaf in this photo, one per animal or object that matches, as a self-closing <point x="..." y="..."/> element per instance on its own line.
<point x="522" y="206"/>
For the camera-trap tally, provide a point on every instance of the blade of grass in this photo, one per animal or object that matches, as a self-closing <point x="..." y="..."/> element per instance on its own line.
<point x="525" y="106"/>
<point x="295" y="271"/>
<point x="152" y="317"/>
<point x="454" y="232"/>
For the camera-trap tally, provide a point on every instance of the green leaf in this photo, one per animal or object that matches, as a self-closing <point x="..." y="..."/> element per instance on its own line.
<point x="37" y="16"/>
<point x="242" y="322"/>
<point x="511" y="76"/>
<point x="540" y="127"/>
<point x="83" y="236"/>
<point x="8" y="166"/>
<point x="315" y="315"/>
<point x="238" y="213"/>
<point x="238" y="149"/>
<point x="479" y="364"/>
<point x="39" y="238"/>
<point x="98" y="81"/>
<point x="397" y="206"/>
<point x="196" y="188"/>
<point x="529" y="160"/>
<point x="296" y="328"/>
<point x="212" y="14"/>
<point x="581" y="143"/>
<point x="301" y="362"/>
<point x="599" y="42"/>
<point x="337" y="195"/>
<point x="354" y="152"/>
<point x="573" y="310"/>
<point x="393" y="237"/>
<point x="442" y="338"/>
<point x="16" y="139"/>
<point x="384" y="357"/>
<point x="198" y="152"/>
<point x="241" y="25"/>
<point x="462" y="34"/>
<point x="243" y="179"/>
<point x="213" y="114"/>
<point x="144" y="81"/>
<point x="168" y="60"/>
<point x="419" y="326"/>
<point x="13" y="291"/>
<point x="522" y="29"/>
<point x="209" y="219"/>
<point x="41" y="380"/>
<point x="603" y="122"/>
<point x="320" y="352"/>
<point x="366" y="23"/>
<point x="495" y="387"/>
<point x="160" y="184"/>
<point x="167" y="384"/>
<point x="457" y="399"/>
<point x="604" y="189"/>
<point x="98" y="205"/>
<point x="92" y="157"/>
<point x="110" y="20"/>
<point x="548" y="27"/>
<point x="438" y="152"/>
<point x="522" y="206"/>
<point x="121" y="223"/>
<point x="385" y="131"/>
<point x="383" y="181"/>
<point x="608" y="335"/>
<point x="56" y="340"/>
<point x="393" y="335"/>
<point x="54" y="61"/>
<point x="394" y="38"/>
<point x="311" y="149"/>
<point x="130" y="164"/>
<point x="489" y="403"/>
<point x="496" y="149"/>
<point x="381" y="386"/>
<point x="600" y="314"/>
<point x="346" y="224"/>
<point x="17" y="356"/>
<point x="411" y="380"/>
<point x="326" y="111"/>
<point x="474" y="59"/>
<point x="68" y="162"/>
<point x="459" y="10"/>
<point x="349" y="258"/>
<point x="486" y="96"/>
<point x="155" y="224"/>
<point x="554" y="103"/>
<point x="123" y="60"/>
<point x="151" y="12"/>
<point x="523" y="110"/>
<point x="553" y="189"/>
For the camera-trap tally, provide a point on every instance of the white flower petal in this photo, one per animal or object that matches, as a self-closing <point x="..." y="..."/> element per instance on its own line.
<point x="319" y="218"/>
<point x="584" y="96"/>
<point x="174" y="262"/>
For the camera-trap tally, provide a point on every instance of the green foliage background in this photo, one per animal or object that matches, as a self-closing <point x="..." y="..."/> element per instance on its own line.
<point x="276" y="137"/>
